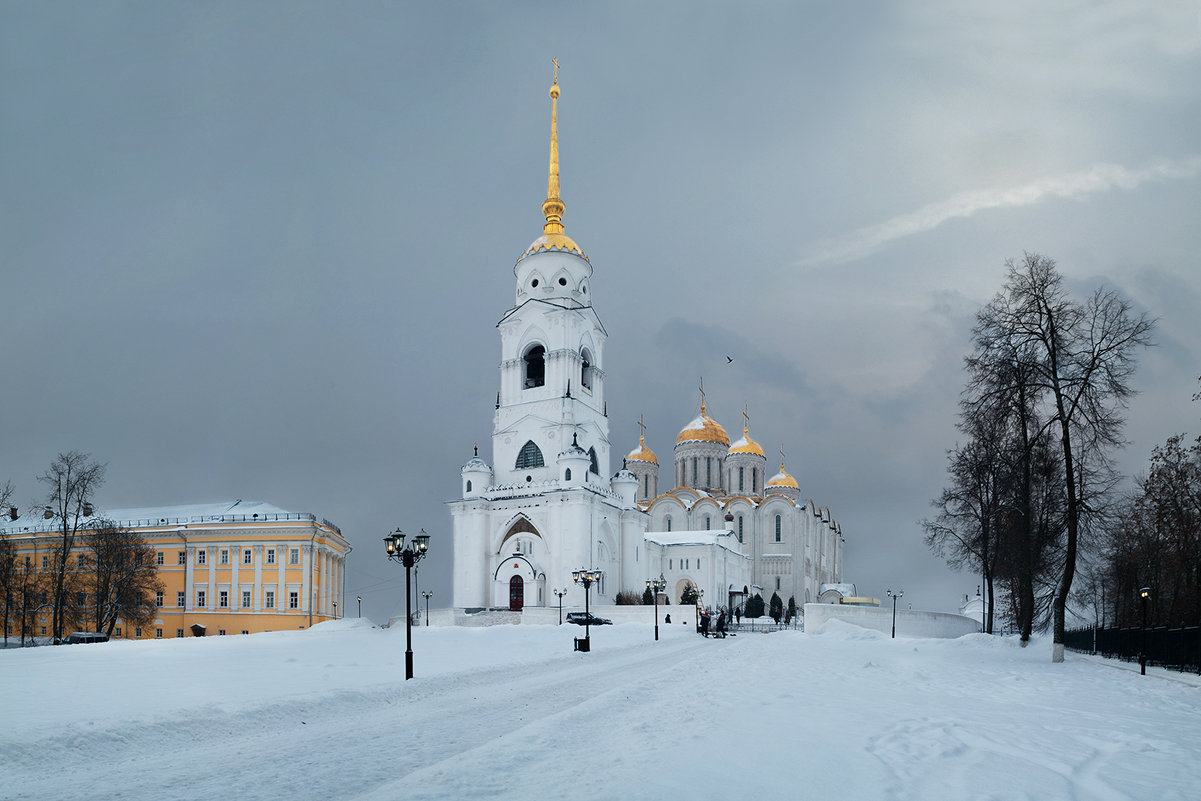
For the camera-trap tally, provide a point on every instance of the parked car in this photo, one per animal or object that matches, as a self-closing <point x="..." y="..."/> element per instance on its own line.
<point x="582" y="618"/>
<point x="86" y="636"/>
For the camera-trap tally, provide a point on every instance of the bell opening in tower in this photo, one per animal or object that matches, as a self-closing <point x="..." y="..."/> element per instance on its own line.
<point x="535" y="367"/>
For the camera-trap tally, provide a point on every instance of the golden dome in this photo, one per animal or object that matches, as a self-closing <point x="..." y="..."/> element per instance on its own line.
<point x="782" y="479"/>
<point x="747" y="445"/>
<point x="642" y="453"/>
<point x="704" y="429"/>
<point x="553" y="242"/>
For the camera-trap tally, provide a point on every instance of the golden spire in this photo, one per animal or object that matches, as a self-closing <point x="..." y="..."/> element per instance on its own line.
<point x="554" y="207"/>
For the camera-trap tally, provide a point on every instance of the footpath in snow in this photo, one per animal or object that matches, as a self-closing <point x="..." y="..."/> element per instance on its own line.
<point x="512" y="712"/>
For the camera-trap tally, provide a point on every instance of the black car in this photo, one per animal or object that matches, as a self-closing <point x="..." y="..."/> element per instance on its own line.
<point x="581" y="618"/>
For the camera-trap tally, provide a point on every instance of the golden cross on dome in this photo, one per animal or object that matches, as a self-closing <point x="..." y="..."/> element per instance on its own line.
<point x="555" y="61"/>
<point x="746" y="418"/>
<point x="641" y="425"/>
<point x="702" y="394"/>
<point x="781" y="458"/>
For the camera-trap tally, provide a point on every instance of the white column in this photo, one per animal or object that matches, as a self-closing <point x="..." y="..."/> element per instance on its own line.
<point x="304" y="586"/>
<point x="189" y="577"/>
<point x="258" y="578"/>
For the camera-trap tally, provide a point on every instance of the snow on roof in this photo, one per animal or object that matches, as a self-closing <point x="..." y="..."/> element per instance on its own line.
<point x="174" y="515"/>
<point x="720" y="538"/>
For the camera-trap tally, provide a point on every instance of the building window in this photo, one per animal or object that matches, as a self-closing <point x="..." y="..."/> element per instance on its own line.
<point x="669" y="522"/>
<point x="225" y="556"/>
<point x="585" y="369"/>
<point x="200" y="598"/>
<point x="293" y="599"/>
<point x="294" y="556"/>
<point x="754" y="480"/>
<point x="669" y="564"/>
<point x="245" y="599"/>
<point x="245" y="631"/>
<point x="698" y="564"/>
<point x="118" y="631"/>
<point x="158" y="598"/>
<point x="270" y="604"/>
<point x="696" y="476"/>
<point x="646" y="486"/>
<point x="270" y="556"/>
<point x="535" y="367"/>
<point x="223" y="599"/>
<point x="201" y="556"/>
<point x="44" y="562"/>
<point x="179" y="632"/>
<point x="777" y="530"/>
<point x="183" y="558"/>
<point x="741" y="474"/>
<point x="158" y="634"/>
<point x="81" y="598"/>
<point x="137" y="632"/>
<point x="158" y="558"/>
<point x="567" y="474"/>
<point x="777" y="582"/>
<point x="247" y="556"/>
<point x="740" y="528"/>
<point x="707" y="522"/>
<point x="43" y="631"/>
<point x="220" y="632"/>
<point x="593" y="465"/>
<point x="529" y="456"/>
<point x="469" y="485"/>
<point x="708" y="471"/>
<point x="179" y="599"/>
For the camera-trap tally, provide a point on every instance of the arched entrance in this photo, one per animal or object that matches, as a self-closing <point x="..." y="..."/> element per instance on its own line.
<point x="516" y="594"/>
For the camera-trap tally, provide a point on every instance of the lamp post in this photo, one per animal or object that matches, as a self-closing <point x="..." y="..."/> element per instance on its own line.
<point x="894" y="597"/>
<point x="427" y="594"/>
<point x="560" y="593"/>
<point x="408" y="556"/>
<point x="587" y="578"/>
<point x="656" y="586"/>
<point x="1144" y="593"/>
<point x="360" y="600"/>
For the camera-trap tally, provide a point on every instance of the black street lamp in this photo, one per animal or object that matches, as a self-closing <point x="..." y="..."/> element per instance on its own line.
<point x="560" y="593"/>
<point x="426" y="594"/>
<point x="656" y="586"/>
<point x="894" y="597"/>
<point x="408" y="556"/>
<point x="587" y="578"/>
<point x="360" y="600"/>
<point x="1144" y="593"/>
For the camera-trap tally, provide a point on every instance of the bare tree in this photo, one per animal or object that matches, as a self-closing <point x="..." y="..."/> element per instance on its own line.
<point x="121" y="577"/>
<point x="8" y="564"/>
<point x="71" y="480"/>
<point x="1082" y="357"/>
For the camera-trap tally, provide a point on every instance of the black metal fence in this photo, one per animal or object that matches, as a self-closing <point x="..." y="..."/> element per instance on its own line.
<point x="1172" y="648"/>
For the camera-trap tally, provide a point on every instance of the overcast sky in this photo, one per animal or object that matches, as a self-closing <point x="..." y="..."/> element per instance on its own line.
<point x="259" y="250"/>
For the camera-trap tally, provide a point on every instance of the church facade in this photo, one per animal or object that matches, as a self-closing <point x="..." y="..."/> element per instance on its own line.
<point x="549" y="504"/>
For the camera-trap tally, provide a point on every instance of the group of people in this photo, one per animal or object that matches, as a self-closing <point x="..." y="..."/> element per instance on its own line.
<point x="719" y="627"/>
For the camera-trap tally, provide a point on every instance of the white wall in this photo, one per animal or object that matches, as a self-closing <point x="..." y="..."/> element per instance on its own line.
<point x="910" y="622"/>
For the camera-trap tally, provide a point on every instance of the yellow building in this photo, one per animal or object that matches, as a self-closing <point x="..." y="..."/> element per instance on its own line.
<point x="232" y="568"/>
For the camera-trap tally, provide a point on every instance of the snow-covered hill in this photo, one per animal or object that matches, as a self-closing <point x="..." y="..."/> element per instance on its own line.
<point x="512" y="712"/>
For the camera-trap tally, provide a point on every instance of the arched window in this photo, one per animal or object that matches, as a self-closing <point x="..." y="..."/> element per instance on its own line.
<point x="754" y="480"/>
<point x="696" y="477"/>
<point x="535" y="367"/>
<point x="469" y="485"/>
<point x="646" y="485"/>
<point x="706" y="522"/>
<point x="669" y="522"/>
<point x="741" y="473"/>
<point x="586" y="369"/>
<point x="567" y="474"/>
<point x="740" y="528"/>
<point x="593" y="466"/>
<point x="708" y="471"/>
<point x="529" y="456"/>
<point x="777" y="529"/>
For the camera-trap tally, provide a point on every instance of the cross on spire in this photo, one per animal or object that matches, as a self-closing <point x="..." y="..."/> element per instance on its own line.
<point x="781" y="458"/>
<point x="642" y="434"/>
<point x="746" y="418"/>
<point x="702" y="394"/>
<point x="555" y="61"/>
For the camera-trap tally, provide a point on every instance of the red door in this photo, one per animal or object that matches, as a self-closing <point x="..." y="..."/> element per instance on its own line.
<point x="516" y="594"/>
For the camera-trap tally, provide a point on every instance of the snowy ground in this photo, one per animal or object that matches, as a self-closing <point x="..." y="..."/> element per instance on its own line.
<point x="511" y="712"/>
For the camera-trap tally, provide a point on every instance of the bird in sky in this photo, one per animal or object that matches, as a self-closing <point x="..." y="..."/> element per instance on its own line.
<point x="729" y="360"/>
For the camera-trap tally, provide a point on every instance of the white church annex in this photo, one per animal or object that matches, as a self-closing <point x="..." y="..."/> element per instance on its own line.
<point x="545" y="508"/>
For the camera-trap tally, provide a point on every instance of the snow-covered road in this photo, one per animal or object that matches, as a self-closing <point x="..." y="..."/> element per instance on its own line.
<point x="512" y="712"/>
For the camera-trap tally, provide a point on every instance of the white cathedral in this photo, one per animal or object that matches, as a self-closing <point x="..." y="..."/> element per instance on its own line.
<point x="545" y="509"/>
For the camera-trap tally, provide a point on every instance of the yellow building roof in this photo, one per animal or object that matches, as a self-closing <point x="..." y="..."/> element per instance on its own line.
<point x="703" y="429"/>
<point x="642" y="453"/>
<point x="746" y="445"/>
<point x="782" y="479"/>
